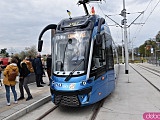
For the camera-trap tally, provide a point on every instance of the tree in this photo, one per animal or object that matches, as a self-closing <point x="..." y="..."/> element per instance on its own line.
<point x="4" y="52"/>
<point x="158" y="37"/>
<point x="29" y="51"/>
<point x="145" y="49"/>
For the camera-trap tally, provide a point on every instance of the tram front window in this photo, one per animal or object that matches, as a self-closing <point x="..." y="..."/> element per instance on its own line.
<point x="70" y="52"/>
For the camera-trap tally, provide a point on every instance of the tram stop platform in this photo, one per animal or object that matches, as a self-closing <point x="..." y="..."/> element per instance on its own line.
<point x="132" y="98"/>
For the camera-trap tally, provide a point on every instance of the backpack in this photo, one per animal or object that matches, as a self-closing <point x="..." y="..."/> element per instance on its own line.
<point x="12" y="76"/>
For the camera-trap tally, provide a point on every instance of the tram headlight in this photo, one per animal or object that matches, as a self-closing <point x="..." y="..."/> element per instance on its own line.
<point x="53" y="82"/>
<point x="84" y="83"/>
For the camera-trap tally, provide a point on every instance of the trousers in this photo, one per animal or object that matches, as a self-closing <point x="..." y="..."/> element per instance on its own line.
<point x="23" y="82"/>
<point x="8" y="93"/>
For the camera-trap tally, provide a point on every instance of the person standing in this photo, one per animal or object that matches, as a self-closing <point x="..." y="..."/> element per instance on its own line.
<point x="49" y="64"/>
<point x="10" y="83"/>
<point x="1" y="68"/>
<point x="20" y="79"/>
<point x="38" y="71"/>
<point x="43" y="66"/>
<point x="25" y="76"/>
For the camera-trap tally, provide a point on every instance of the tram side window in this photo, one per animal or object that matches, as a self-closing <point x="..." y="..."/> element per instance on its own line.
<point x="115" y="56"/>
<point x="110" y="61"/>
<point x="98" y="59"/>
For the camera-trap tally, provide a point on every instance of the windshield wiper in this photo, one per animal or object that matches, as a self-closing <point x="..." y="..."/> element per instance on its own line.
<point x="71" y="73"/>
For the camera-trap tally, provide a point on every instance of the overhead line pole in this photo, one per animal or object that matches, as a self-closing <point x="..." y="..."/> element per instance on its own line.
<point x="122" y="47"/>
<point x="124" y="30"/>
<point x="123" y="13"/>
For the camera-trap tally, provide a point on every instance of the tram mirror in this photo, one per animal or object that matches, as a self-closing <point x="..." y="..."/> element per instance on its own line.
<point x="40" y="43"/>
<point x="98" y="39"/>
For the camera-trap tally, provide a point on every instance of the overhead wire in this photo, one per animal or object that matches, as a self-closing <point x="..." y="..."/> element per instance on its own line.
<point x="138" y="31"/>
<point x="152" y="11"/>
<point x="112" y="21"/>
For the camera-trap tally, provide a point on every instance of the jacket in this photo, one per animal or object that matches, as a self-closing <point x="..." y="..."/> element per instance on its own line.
<point x="7" y="71"/>
<point x="24" y="70"/>
<point x="29" y="65"/>
<point x="38" y="66"/>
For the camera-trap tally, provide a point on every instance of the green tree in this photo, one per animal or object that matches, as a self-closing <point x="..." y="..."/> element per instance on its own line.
<point x="158" y="37"/>
<point x="145" y="49"/>
<point x="4" y="52"/>
<point x="29" y="51"/>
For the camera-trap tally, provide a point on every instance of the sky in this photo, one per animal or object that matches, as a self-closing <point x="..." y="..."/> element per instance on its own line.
<point x="21" y="21"/>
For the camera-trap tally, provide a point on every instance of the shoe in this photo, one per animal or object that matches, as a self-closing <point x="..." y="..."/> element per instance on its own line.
<point x="40" y="86"/>
<point x="15" y="102"/>
<point x="21" y="98"/>
<point x="8" y="104"/>
<point x="43" y="83"/>
<point x="30" y="97"/>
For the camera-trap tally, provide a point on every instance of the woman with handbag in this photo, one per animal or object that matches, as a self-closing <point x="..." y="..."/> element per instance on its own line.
<point x="8" y="82"/>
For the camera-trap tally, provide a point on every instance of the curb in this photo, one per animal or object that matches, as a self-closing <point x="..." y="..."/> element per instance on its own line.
<point x="28" y="109"/>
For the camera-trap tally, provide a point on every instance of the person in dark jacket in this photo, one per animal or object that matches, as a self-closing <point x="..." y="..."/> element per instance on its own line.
<point x="21" y="80"/>
<point x="38" y="71"/>
<point x="49" y="64"/>
<point x="25" y="76"/>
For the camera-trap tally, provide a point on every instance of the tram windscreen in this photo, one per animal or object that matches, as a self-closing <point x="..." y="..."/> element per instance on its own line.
<point x="70" y="50"/>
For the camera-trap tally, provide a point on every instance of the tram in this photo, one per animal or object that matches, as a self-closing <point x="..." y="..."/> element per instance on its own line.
<point x="83" y="57"/>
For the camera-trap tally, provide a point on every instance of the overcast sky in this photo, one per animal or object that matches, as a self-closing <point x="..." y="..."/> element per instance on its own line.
<point x="21" y="21"/>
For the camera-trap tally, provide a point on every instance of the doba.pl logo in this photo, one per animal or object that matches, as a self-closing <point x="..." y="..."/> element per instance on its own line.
<point x="151" y="116"/>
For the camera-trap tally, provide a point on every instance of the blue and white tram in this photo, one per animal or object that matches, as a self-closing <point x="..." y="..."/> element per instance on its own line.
<point x="82" y="61"/>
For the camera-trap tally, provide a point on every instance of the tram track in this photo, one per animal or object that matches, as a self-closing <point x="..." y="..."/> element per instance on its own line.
<point x="150" y="69"/>
<point x="96" y="111"/>
<point x="47" y="113"/>
<point x="147" y="79"/>
<point x="92" y="116"/>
